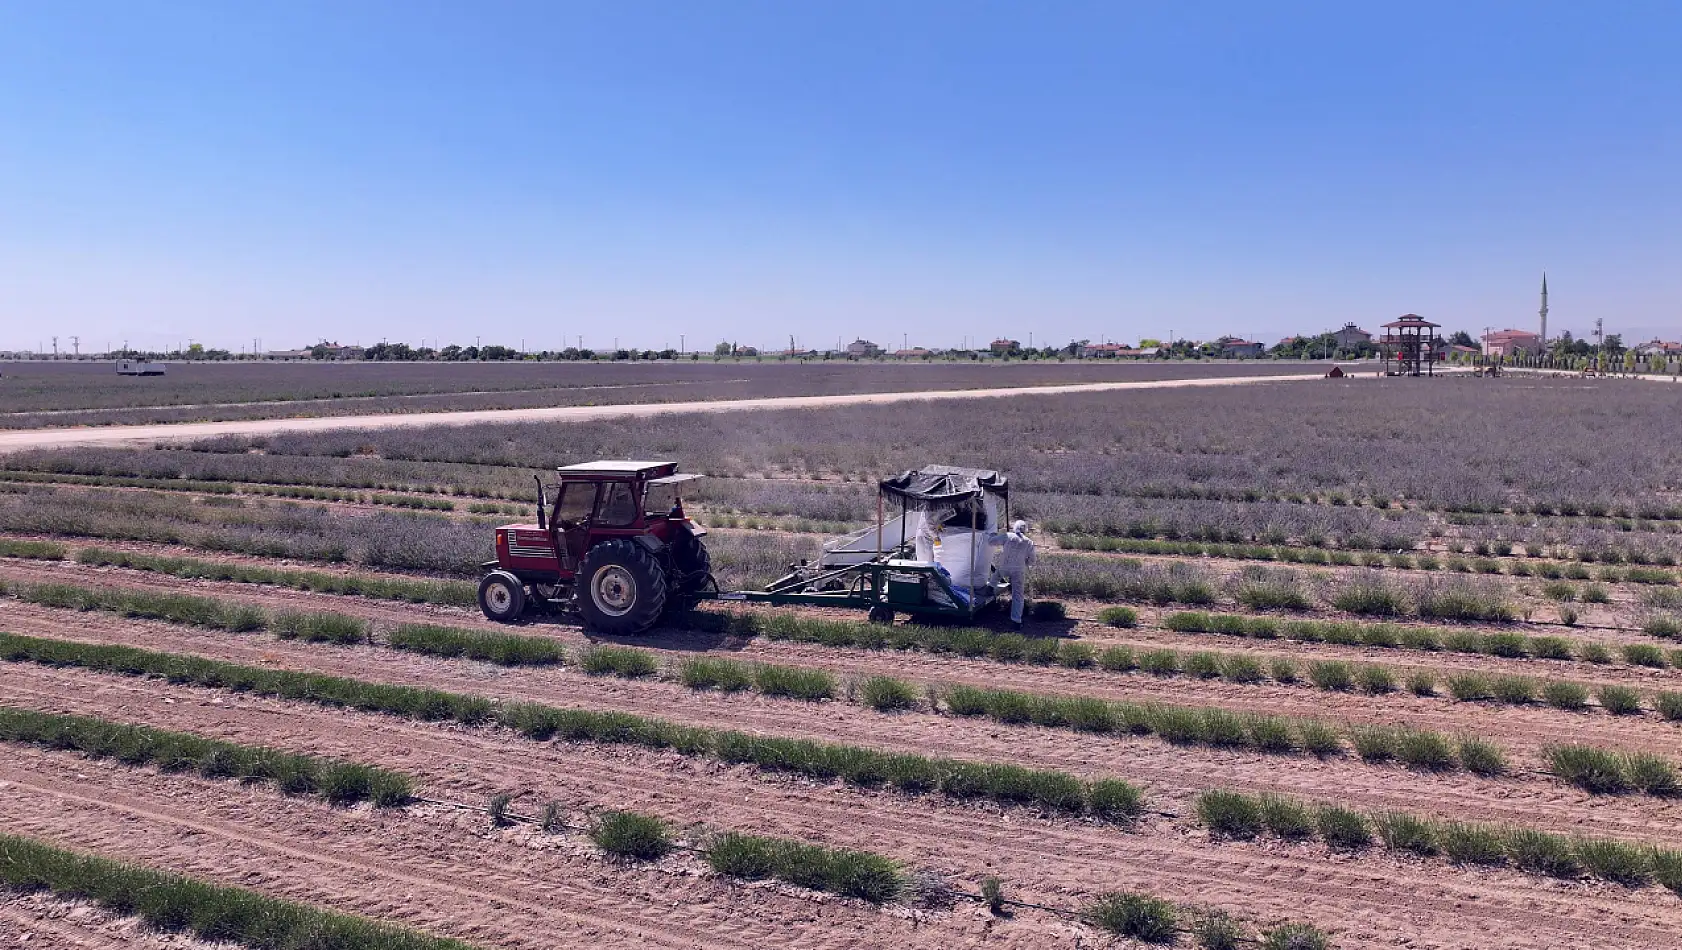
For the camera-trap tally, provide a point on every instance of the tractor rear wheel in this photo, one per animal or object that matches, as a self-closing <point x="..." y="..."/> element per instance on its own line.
<point x="621" y="588"/>
<point x="502" y="597"/>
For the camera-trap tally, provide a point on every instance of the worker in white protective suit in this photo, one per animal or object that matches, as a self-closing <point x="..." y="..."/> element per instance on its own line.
<point x="1015" y="557"/>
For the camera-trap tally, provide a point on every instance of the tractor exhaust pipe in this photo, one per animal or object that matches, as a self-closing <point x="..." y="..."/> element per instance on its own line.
<point x="542" y="522"/>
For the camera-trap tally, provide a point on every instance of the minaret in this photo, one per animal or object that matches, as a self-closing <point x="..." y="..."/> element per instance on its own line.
<point x="1544" y="310"/>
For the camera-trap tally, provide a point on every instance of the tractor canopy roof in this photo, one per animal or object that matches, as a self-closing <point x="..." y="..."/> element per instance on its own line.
<point x="944" y="485"/>
<point x="612" y="467"/>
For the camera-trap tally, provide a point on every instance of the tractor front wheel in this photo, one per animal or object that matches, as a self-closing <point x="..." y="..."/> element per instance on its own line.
<point x="502" y="597"/>
<point x="621" y="588"/>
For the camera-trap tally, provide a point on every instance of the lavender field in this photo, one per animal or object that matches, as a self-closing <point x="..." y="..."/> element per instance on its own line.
<point x="34" y="395"/>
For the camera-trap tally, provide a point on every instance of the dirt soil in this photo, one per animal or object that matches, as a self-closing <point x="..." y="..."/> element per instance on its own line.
<point x="448" y="871"/>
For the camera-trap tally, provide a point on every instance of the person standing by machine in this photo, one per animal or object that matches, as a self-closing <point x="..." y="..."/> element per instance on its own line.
<point x="1015" y="557"/>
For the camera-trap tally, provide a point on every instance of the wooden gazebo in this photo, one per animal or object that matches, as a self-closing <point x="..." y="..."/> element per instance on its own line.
<point x="1410" y="345"/>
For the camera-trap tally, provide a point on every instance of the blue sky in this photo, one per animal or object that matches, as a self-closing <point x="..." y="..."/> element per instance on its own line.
<point x="913" y="170"/>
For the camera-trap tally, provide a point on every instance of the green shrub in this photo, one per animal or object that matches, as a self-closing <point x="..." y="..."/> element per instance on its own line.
<point x="858" y="874"/>
<point x="1375" y="680"/>
<point x="1662" y="626"/>
<point x="1668" y="704"/>
<point x="1551" y="648"/>
<point x="211" y="912"/>
<point x="1513" y="690"/>
<point x="1469" y="843"/>
<point x="1118" y="660"/>
<point x="1229" y="814"/>
<point x="1331" y="675"/>
<point x="319" y="627"/>
<point x="1404" y="831"/>
<point x="1422" y="749"/>
<point x="1422" y="683"/>
<point x="1619" y="700"/>
<point x="794" y="682"/>
<point x="627" y="834"/>
<point x="1371" y="596"/>
<point x="884" y="693"/>
<point x="1596" y="594"/>
<point x="503" y="649"/>
<point x="1160" y="662"/>
<point x="1541" y="853"/>
<point x="1343" y="829"/>
<point x="1216" y="930"/>
<point x="1319" y="739"/>
<point x="1481" y="757"/>
<point x="1203" y="665"/>
<point x="337" y="781"/>
<point x="1651" y="774"/>
<point x="703" y="672"/>
<point x="1591" y="769"/>
<point x="1139" y="916"/>
<point x="1286" y="818"/>
<point x="627" y="662"/>
<point x="1241" y="668"/>
<point x="1469" y="687"/>
<point x="966" y="700"/>
<point x="1295" y="936"/>
<point x="1075" y="656"/>
<point x="1119" y="616"/>
<point x="1283" y="670"/>
<point x="1375" y="743"/>
<point x="1596" y="653"/>
<point x="1644" y="654"/>
<point x="1618" y="861"/>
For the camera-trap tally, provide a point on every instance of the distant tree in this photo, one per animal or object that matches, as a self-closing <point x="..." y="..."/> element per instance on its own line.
<point x="724" y="349"/>
<point x="1614" y="344"/>
<point x="1462" y="338"/>
<point x="195" y="352"/>
<point x="451" y="353"/>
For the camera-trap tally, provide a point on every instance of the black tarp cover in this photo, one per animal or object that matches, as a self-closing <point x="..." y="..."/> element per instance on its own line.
<point x="944" y="485"/>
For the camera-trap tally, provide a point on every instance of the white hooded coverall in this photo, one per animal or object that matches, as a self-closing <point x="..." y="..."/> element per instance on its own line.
<point x="1016" y="556"/>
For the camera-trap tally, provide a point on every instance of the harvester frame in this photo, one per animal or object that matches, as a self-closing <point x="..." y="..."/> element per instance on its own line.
<point x="886" y="580"/>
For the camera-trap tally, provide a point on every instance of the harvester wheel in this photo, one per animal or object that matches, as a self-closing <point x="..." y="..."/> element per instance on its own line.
<point x="502" y="597"/>
<point x="622" y="588"/>
<point x="880" y="614"/>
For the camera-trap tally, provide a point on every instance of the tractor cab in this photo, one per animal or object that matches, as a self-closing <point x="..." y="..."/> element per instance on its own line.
<point x="611" y="539"/>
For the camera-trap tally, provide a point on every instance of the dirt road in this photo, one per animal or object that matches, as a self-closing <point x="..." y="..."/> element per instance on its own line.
<point x="128" y="435"/>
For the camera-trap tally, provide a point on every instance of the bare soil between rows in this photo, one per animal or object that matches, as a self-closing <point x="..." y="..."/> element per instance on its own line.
<point x="397" y="867"/>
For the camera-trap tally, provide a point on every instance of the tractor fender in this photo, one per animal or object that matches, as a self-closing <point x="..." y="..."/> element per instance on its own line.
<point x="653" y="544"/>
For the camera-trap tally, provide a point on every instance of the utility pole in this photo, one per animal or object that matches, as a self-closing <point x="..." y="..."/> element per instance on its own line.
<point x="682" y="344"/>
<point x="76" y="342"/>
<point x="55" y="347"/>
<point x="1544" y="310"/>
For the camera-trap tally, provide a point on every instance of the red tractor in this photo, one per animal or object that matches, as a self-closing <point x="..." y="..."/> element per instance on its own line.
<point x="615" y="545"/>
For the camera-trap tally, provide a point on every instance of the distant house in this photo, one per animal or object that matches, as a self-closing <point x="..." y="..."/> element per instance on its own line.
<point x="1100" y="351"/>
<point x="1455" y="349"/>
<point x="139" y="368"/>
<point x="1657" y="347"/>
<point x="861" y="348"/>
<point x="1002" y="346"/>
<point x="1239" y="348"/>
<point x="333" y="351"/>
<point x="1511" y="343"/>
<point x="1350" y="337"/>
<point x="1287" y="342"/>
<point x="287" y="355"/>
<point x="915" y="353"/>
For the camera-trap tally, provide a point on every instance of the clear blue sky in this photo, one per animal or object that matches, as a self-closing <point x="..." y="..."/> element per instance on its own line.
<point x="746" y="170"/>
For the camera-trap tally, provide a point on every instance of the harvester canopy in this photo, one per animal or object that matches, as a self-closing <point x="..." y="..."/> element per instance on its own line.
<point x="944" y="486"/>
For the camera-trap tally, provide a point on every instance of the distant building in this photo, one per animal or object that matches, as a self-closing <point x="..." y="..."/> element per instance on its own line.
<point x="1512" y="343"/>
<point x="1233" y="348"/>
<point x="1350" y="337"/>
<point x="915" y="353"/>
<point x="1288" y="342"/>
<point x="1657" y="347"/>
<point x="861" y="347"/>
<point x="1455" y="349"/>
<point x="1099" y="351"/>
<point x="1002" y="346"/>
